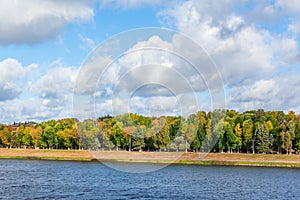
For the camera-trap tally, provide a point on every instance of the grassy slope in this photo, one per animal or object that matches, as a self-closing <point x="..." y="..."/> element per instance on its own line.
<point x="157" y="157"/>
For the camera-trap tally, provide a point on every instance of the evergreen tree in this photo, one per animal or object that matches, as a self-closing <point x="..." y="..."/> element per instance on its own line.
<point x="262" y="138"/>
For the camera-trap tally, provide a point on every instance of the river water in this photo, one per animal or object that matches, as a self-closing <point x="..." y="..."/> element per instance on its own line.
<point x="31" y="179"/>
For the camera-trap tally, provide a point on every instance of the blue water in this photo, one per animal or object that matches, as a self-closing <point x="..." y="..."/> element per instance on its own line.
<point x="28" y="179"/>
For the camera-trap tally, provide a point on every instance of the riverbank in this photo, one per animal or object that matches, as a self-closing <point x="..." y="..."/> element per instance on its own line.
<point x="46" y="154"/>
<point x="219" y="159"/>
<point x="222" y="159"/>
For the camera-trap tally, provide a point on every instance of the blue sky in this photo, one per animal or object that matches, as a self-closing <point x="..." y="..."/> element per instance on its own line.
<point x="43" y="44"/>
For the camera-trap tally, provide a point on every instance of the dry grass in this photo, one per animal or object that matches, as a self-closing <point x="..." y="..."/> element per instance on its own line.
<point x="157" y="157"/>
<point x="45" y="154"/>
<point x="225" y="157"/>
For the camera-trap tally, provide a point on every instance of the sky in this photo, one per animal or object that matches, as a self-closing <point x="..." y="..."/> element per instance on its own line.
<point x="47" y="46"/>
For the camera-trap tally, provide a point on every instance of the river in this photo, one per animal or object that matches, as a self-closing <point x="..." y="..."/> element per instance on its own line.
<point x="33" y="179"/>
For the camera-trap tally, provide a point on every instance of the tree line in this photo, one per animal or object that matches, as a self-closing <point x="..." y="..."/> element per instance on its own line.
<point x="254" y="131"/>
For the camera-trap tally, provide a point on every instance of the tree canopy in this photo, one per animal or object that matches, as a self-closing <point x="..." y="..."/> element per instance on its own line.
<point x="218" y="131"/>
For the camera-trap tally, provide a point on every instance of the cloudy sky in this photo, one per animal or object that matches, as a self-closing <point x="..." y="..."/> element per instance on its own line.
<point x="44" y="45"/>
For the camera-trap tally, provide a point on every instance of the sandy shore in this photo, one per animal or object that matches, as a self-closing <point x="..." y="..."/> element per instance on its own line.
<point x="233" y="159"/>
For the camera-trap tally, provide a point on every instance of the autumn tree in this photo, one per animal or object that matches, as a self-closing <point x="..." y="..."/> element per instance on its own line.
<point x="238" y="131"/>
<point x="247" y="134"/>
<point x="36" y="135"/>
<point x="287" y="134"/>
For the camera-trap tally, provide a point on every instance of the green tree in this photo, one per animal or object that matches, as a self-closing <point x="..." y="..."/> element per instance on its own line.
<point x="88" y="134"/>
<point x="297" y="134"/>
<point x="262" y="138"/>
<point x="208" y="144"/>
<point x="117" y="135"/>
<point x="247" y="134"/>
<point x="287" y="134"/>
<point x="218" y="135"/>
<point x="27" y="139"/>
<point x="229" y="139"/>
<point x="187" y="131"/>
<point x="49" y="137"/>
<point x="238" y="131"/>
<point x="138" y="142"/>
<point x="161" y="137"/>
<point x="19" y="136"/>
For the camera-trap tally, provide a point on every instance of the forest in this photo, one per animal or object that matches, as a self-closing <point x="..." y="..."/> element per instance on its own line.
<point x="254" y="131"/>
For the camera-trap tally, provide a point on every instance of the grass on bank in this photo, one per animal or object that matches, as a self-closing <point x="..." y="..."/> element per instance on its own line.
<point x="219" y="159"/>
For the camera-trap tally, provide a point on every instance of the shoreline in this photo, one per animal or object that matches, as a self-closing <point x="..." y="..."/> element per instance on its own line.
<point x="190" y="158"/>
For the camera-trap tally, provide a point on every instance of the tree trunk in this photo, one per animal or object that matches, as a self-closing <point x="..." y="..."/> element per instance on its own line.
<point x="185" y="146"/>
<point x="130" y="144"/>
<point x="253" y="151"/>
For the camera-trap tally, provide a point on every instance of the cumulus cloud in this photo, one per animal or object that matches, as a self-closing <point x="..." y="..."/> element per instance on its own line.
<point x="31" y="109"/>
<point x="271" y="94"/>
<point x="32" y="21"/>
<point x="250" y="57"/>
<point x="30" y="93"/>
<point x="11" y="73"/>
<point x="51" y="95"/>
<point x="155" y="66"/>
<point x="254" y="92"/>
<point x="235" y="46"/>
<point x="55" y="87"/>
<point x="91" y="72"/>
<point x="177" y="64"/>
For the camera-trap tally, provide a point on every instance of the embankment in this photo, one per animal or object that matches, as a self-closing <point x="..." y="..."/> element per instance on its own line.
<point x="224" y="159"/>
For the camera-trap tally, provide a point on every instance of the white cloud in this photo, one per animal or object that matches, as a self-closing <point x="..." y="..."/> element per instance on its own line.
<point x="182" y="104"/>
<point x="153" y="66"/>
<point x="289" y="6"/>
<point x="11" y="71"/>
<point x="88" y="43"/>
<point x="55" y="87"/>
<point x="90" y="72"/>
<point x="31" y="109"/>
<point x="257" y="91"/>
<point x="249" y="56"/>
<point x="155" y="106"/>
<point x="270" y="94"/>
<point x="25" y="94"/>
<point x="159" y="61"/>
<point x="128" y="4"/>
<point x="234" y="46"/>
<point x="273" y="13"/>
<point x="289" y="51"/>
<point x="31" y="21"/>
